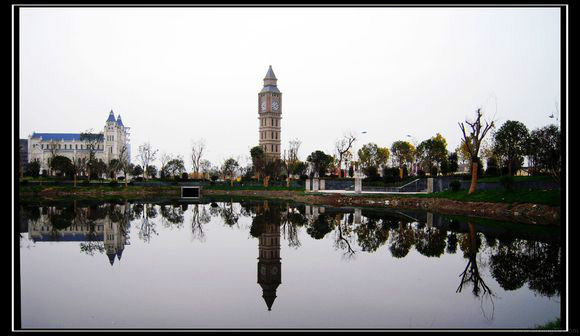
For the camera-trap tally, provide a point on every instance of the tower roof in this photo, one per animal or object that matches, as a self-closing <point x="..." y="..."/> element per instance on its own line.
<point x="270" y="74"/>
<point x="119" y="254"/>
<point x="111" y="258"/>
<point x="269" y="299"/>
<point x="111" y="117"/>
<point x="119" y="122"/>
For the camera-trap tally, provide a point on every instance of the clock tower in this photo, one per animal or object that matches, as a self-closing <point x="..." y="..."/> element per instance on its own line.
<point x="270" y="116"/>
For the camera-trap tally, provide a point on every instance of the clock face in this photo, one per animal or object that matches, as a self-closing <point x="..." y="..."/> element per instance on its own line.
<point x="263" y="106"/>
<point x="275" y="106"/>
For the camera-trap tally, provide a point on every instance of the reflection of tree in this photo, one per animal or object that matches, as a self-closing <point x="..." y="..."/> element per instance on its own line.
<point x="401" y="240"/>
<point x="372" y="235"/>
<point x="226" y="211"/>
<point x="344" y="236"/>
<point x="451" y="243"/>
<point x="471" y="273"/>
<point x="517" y="261"/>
<point x="172" y="215"/>
<point x="319" y="227"/>
<point x="229" y="215"/>
<point x="198" y="219"/>
<point x="147" y="228"/>
<point x="509" y="266"/>
<point x="430" y="241"/>
<point x="92" y="242"/>
<point x="291" y="222"/>
<point x="62" y="217"/>
<point x="545" y="276"/>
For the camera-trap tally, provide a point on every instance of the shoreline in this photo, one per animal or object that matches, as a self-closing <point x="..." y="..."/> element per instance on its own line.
<point x="526" y="213"/>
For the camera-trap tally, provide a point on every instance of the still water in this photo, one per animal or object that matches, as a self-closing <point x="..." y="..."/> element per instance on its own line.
<point x="265" y="264"/>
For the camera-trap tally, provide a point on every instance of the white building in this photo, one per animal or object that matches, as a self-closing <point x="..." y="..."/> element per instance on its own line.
<point x="110" y="142"/>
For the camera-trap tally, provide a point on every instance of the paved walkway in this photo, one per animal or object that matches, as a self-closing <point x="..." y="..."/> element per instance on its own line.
<point x="368" y="192"/>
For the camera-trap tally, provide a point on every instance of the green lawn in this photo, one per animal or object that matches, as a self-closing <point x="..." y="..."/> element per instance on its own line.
<point x="518" y="179"/>
<point x="250" y="187"/>
<point x="547" y="197"/>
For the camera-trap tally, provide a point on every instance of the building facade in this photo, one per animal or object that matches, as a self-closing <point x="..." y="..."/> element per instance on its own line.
<point x="42" y="146"/>
<point x="270" y="116"/>
<point x="23" y="146"/>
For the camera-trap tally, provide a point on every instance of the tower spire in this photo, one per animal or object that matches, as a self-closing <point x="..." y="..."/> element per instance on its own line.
<point x="111" y="117"/>
<point x="270" y="74"/>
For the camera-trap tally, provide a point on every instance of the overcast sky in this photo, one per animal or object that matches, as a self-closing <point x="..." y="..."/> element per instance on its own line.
<point x="180" y="74"/>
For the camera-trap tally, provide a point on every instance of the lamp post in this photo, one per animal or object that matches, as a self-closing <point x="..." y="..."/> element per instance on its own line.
<point x="357" y="171"/>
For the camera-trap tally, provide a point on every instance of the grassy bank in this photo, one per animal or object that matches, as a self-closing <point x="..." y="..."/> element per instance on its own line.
<point x="552" y="325"/>
<point x="546" y="197"/>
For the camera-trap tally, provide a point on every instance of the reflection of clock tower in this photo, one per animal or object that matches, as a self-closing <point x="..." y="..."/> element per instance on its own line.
<point x="270" y="116"/>
<point x="269" y="265"/>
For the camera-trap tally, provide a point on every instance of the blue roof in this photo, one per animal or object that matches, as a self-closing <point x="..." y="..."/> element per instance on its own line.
<point x="66" y="237"/>
<point x="111" y="117"/>
<point x="119" y="122"/>
<point x="62" y="136"/>
<point x="57" y="136"/>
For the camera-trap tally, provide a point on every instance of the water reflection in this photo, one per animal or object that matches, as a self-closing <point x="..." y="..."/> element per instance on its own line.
<point x="266" y="223"/>
<point x="490" y="252"/>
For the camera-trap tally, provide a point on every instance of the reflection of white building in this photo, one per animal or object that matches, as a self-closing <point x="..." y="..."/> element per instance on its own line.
<point x="114" y="136"/>
<point x="111" y="233"/>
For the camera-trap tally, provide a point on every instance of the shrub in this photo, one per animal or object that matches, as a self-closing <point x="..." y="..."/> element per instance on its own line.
<point x="372" y="173"/>
<point x="184" y="176"/>
<point x="391" y="174"/>
<point x="303" y="177"/>
<point x="214" y="178"/>
<point x="85" y="183"/>
<point x="121" y="178"/>
<point x="421" y="173"/>
<point x="24" y="182"/>
<point x="455" y="185"/>
<point x="507" y="182"/>
<point x="113" y="184"/>
<point x="138" y="179"/>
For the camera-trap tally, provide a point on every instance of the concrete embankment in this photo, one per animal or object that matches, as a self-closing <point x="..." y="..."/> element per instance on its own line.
<point x="522" y="213"/>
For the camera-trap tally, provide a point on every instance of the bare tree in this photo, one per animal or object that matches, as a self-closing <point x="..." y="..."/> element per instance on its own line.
<point x="146" y="156"/>
<point x="53" y="150"/>
<point x="79" y="166"/>
<point x="123" y="163"/>
<point x="473" y="142"/>
<point x="165" y="158"/>
<point x="205" y="167"/>
<point x="197" y="149"/>
<point x="91" y="141"/>
<point x="343" y="147"/>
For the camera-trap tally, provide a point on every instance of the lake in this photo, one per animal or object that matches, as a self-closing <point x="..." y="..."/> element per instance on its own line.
<point x="272" y="264"/>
